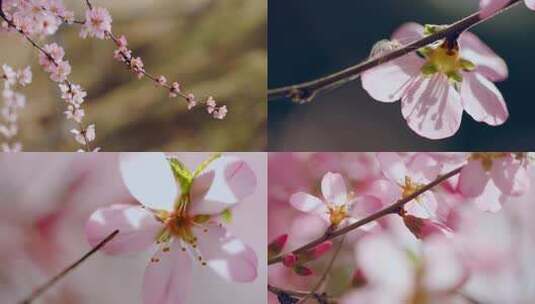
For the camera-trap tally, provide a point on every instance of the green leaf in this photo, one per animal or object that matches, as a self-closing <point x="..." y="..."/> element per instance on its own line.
<point x="226" y="216"/>
<point x="430" y="29"/>
<point x="205" y="164"/>
<point x="467" y="65"/>
<point x="182" y="174"/>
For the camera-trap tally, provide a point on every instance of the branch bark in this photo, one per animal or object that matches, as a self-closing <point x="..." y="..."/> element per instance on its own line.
<point x="306" y="91"/>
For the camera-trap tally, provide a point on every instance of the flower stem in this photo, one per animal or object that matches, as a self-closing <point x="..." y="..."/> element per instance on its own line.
<point x="392" y="209"/>
<point x="307" y="91"/>
<point x="39" y="291"/>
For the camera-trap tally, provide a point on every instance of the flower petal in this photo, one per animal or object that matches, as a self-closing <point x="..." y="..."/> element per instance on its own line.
<point x="489" y="7"/>
<point x="487" y="62"/>
<point x="473" y="179"/>
<point x="491" y="199"/>
<point x="510" y="176"/>
<point x="224" y="183"/>
<point x="149" y="178"/>
<point x="482" y="100"/>
<point x="167" y="278"/>
<point x="137" y="228"/>
<point x="530" y="4"/>
<point x="333" y="188"/>
<point x="408" y="33"/>
<point x="432" y="107"/>
<point x="364" y="206"/>
<point x="227" y="255"/>
<point x="392" y="166"/>
<point x="389" y="81"/>
<point x="307" y="203"/>
<point x="444" y="269"/>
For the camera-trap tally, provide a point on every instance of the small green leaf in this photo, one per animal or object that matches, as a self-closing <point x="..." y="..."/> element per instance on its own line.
<point x="226" y="216"/>
<point x="205" y="164"/>
<point x="182" y="174"/>
<point x="429" y="69"/>
<point x="455" y="77"/>
<point x="430" y="29"/>
<point x="201" y="218"/>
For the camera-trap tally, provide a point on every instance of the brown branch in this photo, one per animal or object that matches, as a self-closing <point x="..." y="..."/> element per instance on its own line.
<point x="392" y="209"/>
<point x="37" y="292"/>
<point x="307" y="91"/>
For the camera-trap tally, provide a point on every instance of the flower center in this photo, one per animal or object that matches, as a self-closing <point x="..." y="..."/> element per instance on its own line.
<point x="410" y="187"/>
<point x="337" y="214"/>
<point x="486" y="158"/>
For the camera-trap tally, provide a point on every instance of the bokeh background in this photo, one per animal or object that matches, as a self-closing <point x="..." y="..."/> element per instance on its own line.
<point x="46" y="200"/>
<point x="310" y="39"/>
<point x="212" y="47"/>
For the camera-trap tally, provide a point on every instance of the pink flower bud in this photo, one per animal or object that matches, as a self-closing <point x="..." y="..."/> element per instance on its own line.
<point x="289" y="260"/>
<point x="359" y="279"/>
<point x="317" y="251"/>
<point x="423" y="228"/>
<point x="302" y="270"/>
<point x="276" y="246"/>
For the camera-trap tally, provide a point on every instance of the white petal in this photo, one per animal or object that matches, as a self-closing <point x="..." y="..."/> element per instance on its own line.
<point x="149" y="178"/>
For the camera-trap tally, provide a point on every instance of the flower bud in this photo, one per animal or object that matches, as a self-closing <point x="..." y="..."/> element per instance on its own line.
<point x="302" y="270"/>
<point x="289" y="260"/>
<point x="319" y="250"/>
<point x="359" y="279"/>
<point x="423" y="228"/>
<point x="276" y="246"/>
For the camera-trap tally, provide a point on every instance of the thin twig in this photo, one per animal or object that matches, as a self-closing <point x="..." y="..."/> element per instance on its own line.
<point x="297" y="293"/>
<point x="392" y="209"/>
<point x="306" y="91"/>
<point x="322" y="279"/>
<point x="37" y="292"/>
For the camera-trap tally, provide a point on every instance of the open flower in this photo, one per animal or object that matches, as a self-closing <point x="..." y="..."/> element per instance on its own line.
<point x="439" y="81"/>
<point x="337" y="207"/>
<point x="182" y="212"/>
<point x="97" y="23"/>
<point x="489" y="176"/>
<point x="395" y="274"/>
<point x="488" y="7"/>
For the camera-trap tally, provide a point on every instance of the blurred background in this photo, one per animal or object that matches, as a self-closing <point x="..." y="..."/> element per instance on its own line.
<point x="48" y="197"/>
<point x="310" y="39"/>
<point x="211" y="47"/>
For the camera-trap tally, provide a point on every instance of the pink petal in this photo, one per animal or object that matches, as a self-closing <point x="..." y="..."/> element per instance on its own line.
<point x="137" y="228"/>
<point x="473" y="179"/>
<point x="167" y="278"/>
<point x="530" y="4"/>
<point x="389" y="81"/>
<point x="444" y="270"/>
<point x="432" y="107"/>
<point x="487" y="62"/>
<point x="392" y="166"/>
<point x="224" y="183"/>
<point x="149" y="178"/>
<point x="227" y="255"/>
<point x="423" y="164"/>
<point x="489" y="7"/>
<point x="510" y="177"/>
<point x="386" y="264"/>
<point x="384" y="190"/>
<point x="482" y="100"/>
<point x="408" y="32"/>
<point x="364" y="206"/>
<point x="424" y="207"/>
<point x="491" y="199"/>
<point x="333" y="188"/>
<point x="307" y="203"/>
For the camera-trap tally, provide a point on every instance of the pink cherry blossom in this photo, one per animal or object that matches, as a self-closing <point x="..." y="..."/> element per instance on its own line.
<point x="441" y="81"/>
<point x="490" y="176"/>
<point x="489" y="7"/>
<point x="183" y="218"/>
<point x="392" y="276"/>
<point x="408" y="179"/>
<point x="97" y="23"/>
<point x="337" y="207"/>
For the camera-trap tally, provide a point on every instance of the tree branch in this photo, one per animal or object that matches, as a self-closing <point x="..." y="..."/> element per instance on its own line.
<point x="392" y="209"/>
<point x="305" y="92"/>
<point x="37" y="292"/>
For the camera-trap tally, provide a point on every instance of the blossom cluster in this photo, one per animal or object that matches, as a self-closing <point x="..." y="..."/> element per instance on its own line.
<point x="13" y="103"/>
<point x="436" y="247"/>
